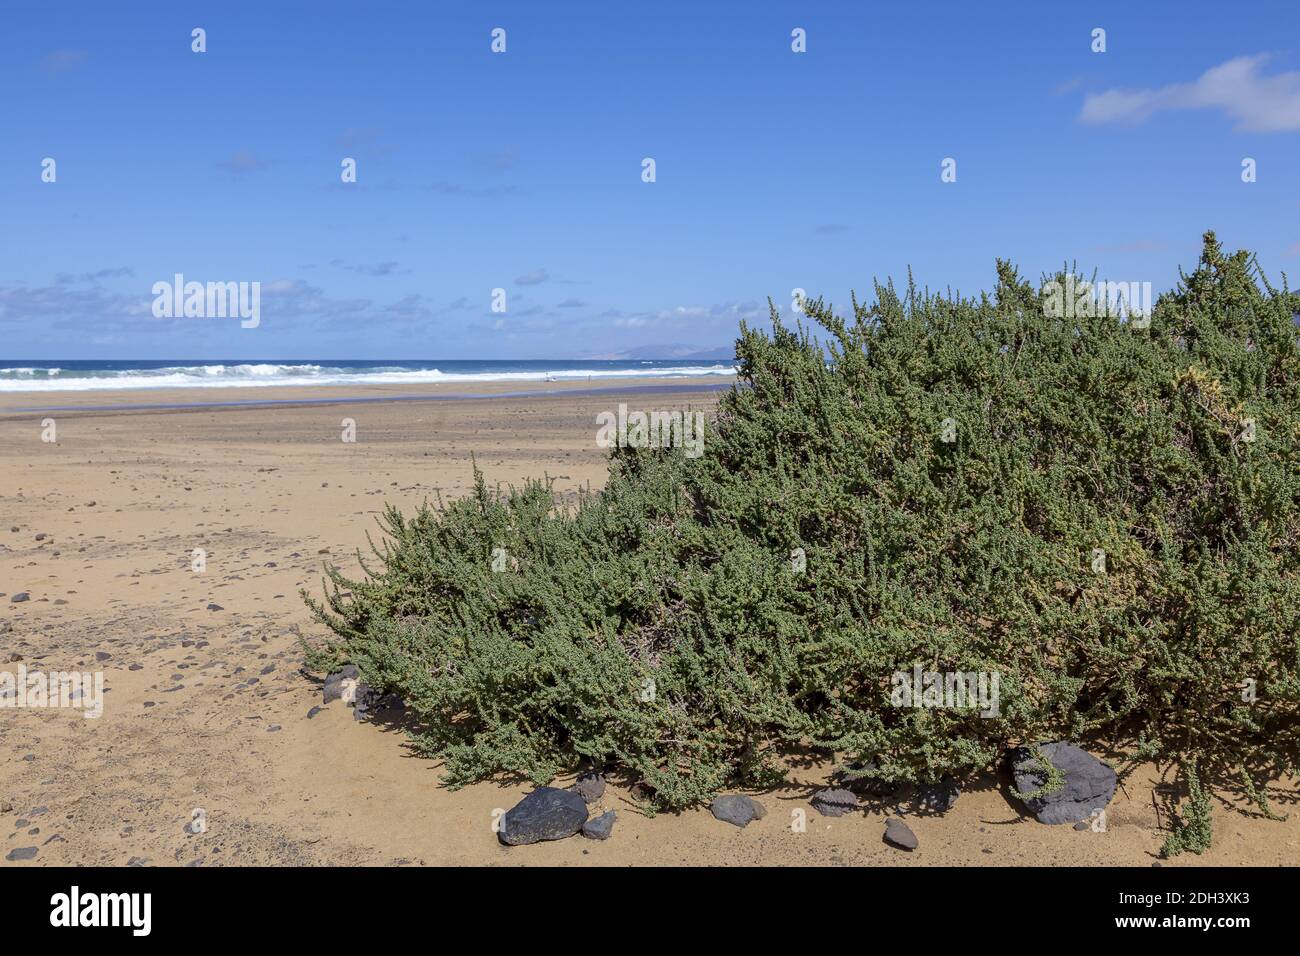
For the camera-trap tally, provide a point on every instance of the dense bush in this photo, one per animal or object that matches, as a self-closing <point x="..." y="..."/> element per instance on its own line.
<point x="950" y="468"/>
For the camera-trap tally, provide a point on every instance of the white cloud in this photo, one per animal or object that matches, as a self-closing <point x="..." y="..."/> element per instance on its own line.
<point x="536" y="277"/>
<point x="1258" y="104"/>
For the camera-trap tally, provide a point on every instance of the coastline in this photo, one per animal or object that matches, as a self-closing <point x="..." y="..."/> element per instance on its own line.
<point x="198" y="399"/>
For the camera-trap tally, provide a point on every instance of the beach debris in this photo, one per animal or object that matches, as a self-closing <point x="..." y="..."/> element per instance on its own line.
<point x="346" y="685"/>
<point x="599" y="828"/>
<point x="548" y="813"/>
<point x="899" y="834"/>
<point x="834" y="802"/>
<point x="737" y="809"/>
<point x="1088" y="784"/>
<point x="590" y="786"/>
<point x="342" y="685"/>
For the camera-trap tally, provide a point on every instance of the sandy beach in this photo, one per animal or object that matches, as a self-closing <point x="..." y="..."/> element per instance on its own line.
<point x="206" y="707"/>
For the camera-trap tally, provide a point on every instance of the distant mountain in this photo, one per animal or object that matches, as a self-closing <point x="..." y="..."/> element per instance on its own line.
<point x="717" y="353"/>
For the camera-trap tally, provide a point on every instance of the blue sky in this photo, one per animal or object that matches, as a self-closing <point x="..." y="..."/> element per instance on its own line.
<point x="522" y="170"/>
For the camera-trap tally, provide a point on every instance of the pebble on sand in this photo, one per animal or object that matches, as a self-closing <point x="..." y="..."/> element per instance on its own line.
<point x="834" y="802"/>
<point x="737" y="809"/>
<point x="600" y="827"/>
<point x="900" y="835"/>
<point x="590" y="786"/>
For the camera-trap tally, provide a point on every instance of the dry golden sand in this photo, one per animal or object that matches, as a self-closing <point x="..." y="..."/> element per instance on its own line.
<point x="124" y="497"/>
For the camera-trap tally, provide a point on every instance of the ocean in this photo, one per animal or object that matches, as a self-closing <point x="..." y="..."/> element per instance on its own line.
<point x="98" y="375"/>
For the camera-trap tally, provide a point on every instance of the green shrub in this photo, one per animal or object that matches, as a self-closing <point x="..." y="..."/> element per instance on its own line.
<point x="974" y="554"/>
<point x="1191" y="830"/>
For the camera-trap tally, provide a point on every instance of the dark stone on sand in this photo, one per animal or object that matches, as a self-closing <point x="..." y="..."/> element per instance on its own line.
<point x="313" y="712"/>
<point x="834" y="802"/>
<point x="22" y="853"/>
<point x="215" y="607"/>
<point x="548" y="813"/>
<point x="20" y="597"/>
<point x="590" y="786"/>
<point x="899" y="834"/>
<point x="600" y="827"/>
<point x="1089" y="784"/>
<point x="103" y="656"/>
<point x="938" y="797"/>
<point x="737" y="809"/>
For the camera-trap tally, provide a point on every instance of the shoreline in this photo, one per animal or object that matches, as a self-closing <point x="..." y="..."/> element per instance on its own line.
<point x="215" y="398"/>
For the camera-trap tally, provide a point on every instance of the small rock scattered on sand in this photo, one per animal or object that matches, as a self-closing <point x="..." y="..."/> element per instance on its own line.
<point x="900" y="835"/>
<point x="590" y="786"/>
<point x="737" y="809"/>
<point x="599" y="828"/>
<point x="834" y="802"/>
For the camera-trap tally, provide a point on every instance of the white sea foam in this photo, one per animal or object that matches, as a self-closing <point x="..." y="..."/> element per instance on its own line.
<point x="265" y="374"/>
